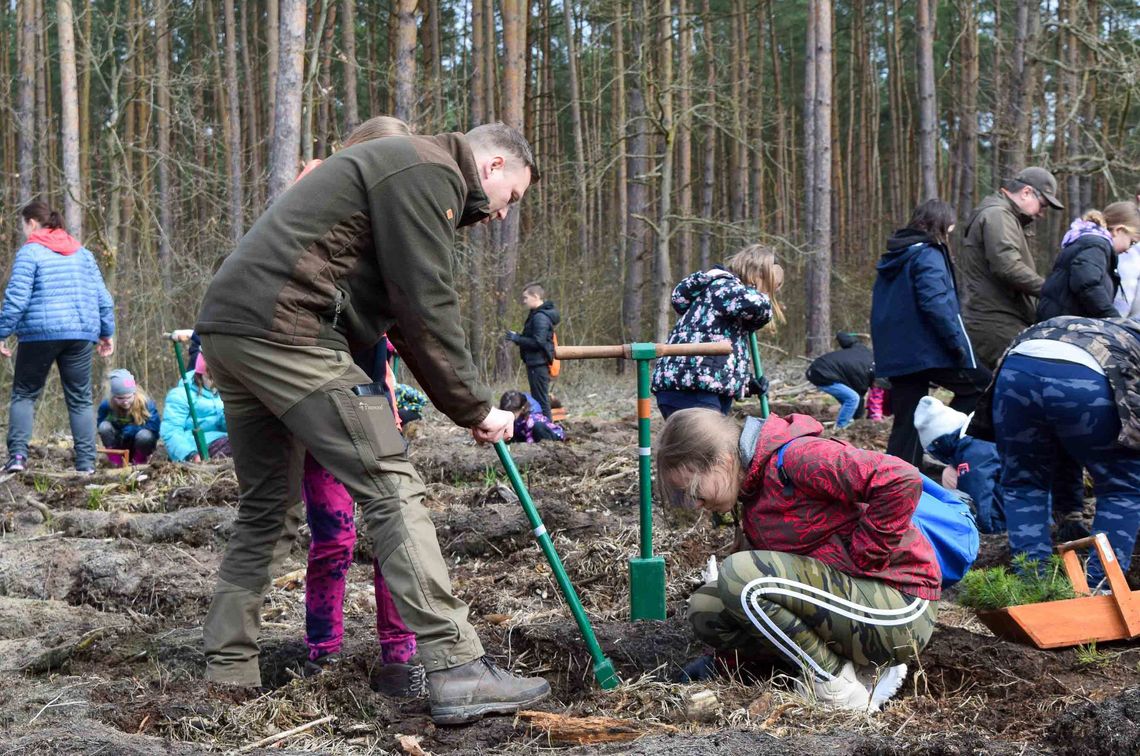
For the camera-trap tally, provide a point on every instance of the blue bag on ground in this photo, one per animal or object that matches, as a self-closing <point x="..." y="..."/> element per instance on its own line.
<point x="948" y="524"/>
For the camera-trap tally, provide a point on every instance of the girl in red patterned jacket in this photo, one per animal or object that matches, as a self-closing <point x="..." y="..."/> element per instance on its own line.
<point x="828" y="572"/>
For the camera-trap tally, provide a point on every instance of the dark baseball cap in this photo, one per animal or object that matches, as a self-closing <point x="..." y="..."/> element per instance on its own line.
<point x="1043" y="181"/>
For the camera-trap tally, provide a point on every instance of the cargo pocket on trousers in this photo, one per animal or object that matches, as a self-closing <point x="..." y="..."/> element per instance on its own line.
<point x="370" y="418"/>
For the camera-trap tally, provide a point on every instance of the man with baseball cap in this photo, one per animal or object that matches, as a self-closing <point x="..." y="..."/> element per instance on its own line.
<point x="998" y="280"/>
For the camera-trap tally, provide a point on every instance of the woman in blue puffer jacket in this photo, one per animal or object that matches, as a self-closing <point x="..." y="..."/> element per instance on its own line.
<point x="60" y="310"/>
<point x="178" y="425"/>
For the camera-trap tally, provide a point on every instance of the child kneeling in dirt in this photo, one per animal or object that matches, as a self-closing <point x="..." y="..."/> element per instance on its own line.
<point x="127" y="419"/>
<point x="829" y="572"/>
<point x="178" y="426"/>
<point x="530" y="427"/>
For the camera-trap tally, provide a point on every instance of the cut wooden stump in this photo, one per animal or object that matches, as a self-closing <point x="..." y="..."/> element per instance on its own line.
<point x="564" y="730"/>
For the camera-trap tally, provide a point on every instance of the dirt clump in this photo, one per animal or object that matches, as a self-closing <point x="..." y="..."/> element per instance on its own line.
<point x="1099" y="728"/>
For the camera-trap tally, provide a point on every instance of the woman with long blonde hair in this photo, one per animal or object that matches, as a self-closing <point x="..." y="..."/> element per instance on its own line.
<point x="720" y="304"/>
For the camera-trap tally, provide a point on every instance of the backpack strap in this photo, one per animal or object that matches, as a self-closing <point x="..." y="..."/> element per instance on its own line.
<point x="781" y="473"/>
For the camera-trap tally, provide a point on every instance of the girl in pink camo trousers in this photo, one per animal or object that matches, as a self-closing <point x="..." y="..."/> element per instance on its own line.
<point x="329" y="509"/>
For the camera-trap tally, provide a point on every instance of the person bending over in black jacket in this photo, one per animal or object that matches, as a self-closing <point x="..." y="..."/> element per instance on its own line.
<point x="846" y="374"/>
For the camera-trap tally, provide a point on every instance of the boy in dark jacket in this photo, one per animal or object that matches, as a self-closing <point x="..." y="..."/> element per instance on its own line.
<point x="536" y="342"/>
<point x="846" y="374"/>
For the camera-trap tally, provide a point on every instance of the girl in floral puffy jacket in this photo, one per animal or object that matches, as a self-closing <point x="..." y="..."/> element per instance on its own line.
<point x="721" y="304"/>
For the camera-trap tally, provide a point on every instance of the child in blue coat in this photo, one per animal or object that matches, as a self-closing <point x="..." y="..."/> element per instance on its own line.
<point x="128" y="419"/>
<point x="976" y="466"/>
<point x="178" y="426"/>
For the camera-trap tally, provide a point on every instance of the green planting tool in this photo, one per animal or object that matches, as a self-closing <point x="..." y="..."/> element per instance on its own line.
<point x="604" y="671"/>
<point x="758" y="370"/>
<point x="199" y="436"/>
<point x="646" y="572"/>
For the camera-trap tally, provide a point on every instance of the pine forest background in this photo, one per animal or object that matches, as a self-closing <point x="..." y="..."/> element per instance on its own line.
<point x="669" y="133"/>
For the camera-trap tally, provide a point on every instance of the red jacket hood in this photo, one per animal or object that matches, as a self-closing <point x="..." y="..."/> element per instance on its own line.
<point x="778" y="431"/>
<point x="55" y="239"/>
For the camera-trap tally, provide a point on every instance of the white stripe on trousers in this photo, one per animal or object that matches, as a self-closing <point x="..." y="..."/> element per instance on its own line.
<point x="755" y="590"/>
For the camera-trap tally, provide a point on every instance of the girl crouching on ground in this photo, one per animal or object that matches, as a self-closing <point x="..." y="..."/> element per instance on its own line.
<point x="829" y="572"/>
<point x="128" y="419"/>
<point x="530" y="427"/>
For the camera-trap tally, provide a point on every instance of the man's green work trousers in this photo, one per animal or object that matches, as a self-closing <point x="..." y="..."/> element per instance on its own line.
<point x="279" y="401"/>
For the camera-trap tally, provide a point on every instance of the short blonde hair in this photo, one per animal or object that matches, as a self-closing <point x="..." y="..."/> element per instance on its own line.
<point x="695" y="440"/>
<point x="756" y="266"/>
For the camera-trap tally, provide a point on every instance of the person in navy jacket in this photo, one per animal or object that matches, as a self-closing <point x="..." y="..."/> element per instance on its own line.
<point x="916" y="325"/>
<point x="60" y="310"/>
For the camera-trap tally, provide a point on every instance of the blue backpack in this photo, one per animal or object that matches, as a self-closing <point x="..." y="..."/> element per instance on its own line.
<point x="943" y="518"/>
<point x="949" y="525"/>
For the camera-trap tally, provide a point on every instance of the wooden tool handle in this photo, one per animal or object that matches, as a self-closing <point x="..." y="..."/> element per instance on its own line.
<point x="623" y="350"/>
<point x="588" y="352"/>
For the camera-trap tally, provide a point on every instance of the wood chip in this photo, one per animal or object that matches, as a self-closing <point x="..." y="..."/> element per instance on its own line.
<point x="564" y="730"/>
<point x="410" y="744"/>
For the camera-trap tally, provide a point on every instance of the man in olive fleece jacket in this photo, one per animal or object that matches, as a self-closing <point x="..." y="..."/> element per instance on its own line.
<point x="999" y="283"/>
<point x="363" y="246"/>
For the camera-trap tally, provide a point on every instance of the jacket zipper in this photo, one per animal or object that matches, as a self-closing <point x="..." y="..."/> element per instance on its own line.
<point x="339" y="305"/>
<point x="973" y="362"/>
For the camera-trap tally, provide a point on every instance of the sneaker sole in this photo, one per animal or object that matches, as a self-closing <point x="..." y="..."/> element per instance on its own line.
<point x="457" y="715"/>
<point x="888" y="685"/>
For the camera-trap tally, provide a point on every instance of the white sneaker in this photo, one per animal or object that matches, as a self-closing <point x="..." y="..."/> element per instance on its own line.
<point x="883" y="682"/>
<point x="843" y="691"/>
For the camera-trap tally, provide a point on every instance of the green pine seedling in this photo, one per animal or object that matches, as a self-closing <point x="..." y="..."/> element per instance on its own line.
<point x="1029" y="583"/>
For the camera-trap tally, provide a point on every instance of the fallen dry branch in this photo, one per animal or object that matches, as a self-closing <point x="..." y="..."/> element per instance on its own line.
<point x="564" y="730"/>
<point x="287" y="734"/>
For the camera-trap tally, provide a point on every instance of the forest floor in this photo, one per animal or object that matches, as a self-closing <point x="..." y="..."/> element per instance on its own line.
<point x="105" y="581"/>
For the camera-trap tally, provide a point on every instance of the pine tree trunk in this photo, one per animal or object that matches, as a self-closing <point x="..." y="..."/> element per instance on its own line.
<point x="312" y="67"/>
<point x="968" y="134"/>
<point x="515" y="17"/>
<point x="811" y="146"/>
<point x="324" y="104"/>
<point x="69" y="111"/>
<point x="819" y="264"/>
<point x="26" y="107"/>
<point x="287" y="112"/>
<point x="621" y="175"/>
<point x="638" y="190"/>
<point x="233" y="133"/>
<point x="685" y="138"/>
<point x="405" y="103"/>
<point x="272" y="60"/>
<point x="348" y="34"/>
<point x="927" y="105"/>
<point x="583" y="220"/>
<point x="708" y="156"/>
<point x="165" y="191"/>
<point x="664" y="271"/>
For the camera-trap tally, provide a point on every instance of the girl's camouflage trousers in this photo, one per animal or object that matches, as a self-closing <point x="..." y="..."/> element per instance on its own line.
<point x="766" y="604"/>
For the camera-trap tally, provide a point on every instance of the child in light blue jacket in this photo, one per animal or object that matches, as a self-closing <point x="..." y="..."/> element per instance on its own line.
<point x="178" y="426"/>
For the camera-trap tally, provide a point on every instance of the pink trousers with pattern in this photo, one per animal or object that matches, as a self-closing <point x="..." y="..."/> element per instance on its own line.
<point x="329" y="509"/>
